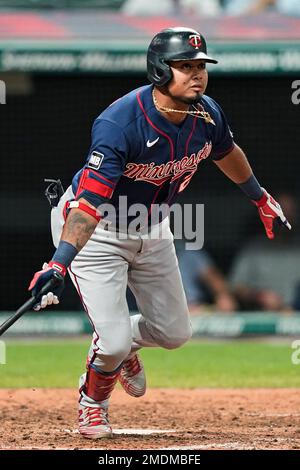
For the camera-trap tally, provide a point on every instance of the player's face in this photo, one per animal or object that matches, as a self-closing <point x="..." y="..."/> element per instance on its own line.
<point x="189" y="80"/>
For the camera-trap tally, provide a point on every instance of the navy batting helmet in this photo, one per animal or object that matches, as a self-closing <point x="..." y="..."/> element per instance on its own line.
<point x="174" y="44"/>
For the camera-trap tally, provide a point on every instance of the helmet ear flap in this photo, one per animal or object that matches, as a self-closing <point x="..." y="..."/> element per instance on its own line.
<point x="159" y="72"/>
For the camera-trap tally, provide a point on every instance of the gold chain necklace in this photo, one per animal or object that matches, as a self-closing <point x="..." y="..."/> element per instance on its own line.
<point x="199" y="113"/>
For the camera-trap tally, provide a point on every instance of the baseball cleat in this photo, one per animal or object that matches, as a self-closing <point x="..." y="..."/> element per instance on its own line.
<point x="93" y="422"/>
<point x="132" y="376"/>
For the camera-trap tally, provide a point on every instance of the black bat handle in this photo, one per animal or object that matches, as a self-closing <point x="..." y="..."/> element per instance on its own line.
<point x="53" y="282"/>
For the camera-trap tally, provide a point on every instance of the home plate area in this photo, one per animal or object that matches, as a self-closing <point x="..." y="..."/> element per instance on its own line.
<point x="137" y="432"/>
<point x="175" y="419"/>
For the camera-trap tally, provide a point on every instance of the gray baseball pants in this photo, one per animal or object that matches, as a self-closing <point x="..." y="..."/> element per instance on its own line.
<point x="101" y="272"/>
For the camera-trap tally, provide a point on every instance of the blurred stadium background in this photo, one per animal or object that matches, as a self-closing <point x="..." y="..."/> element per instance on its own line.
<point x="64" y="61"/>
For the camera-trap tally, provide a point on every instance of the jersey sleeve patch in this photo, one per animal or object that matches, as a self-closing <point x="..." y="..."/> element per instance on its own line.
<point x="95" y="160"/>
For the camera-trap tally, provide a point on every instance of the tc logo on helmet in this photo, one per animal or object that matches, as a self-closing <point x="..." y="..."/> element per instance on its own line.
<point x="195" y="40"/>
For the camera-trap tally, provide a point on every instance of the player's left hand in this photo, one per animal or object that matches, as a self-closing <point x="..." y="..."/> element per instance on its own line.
<point x="41" y="278"/>
<point x="269" y="210"/>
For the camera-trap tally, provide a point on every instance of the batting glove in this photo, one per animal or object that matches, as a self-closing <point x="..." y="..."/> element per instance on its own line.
<point x="41" y="278"/>
<point x="269" y="210"/>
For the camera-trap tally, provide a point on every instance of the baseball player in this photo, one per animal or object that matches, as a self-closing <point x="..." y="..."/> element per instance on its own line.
<point x="145" y="147"/>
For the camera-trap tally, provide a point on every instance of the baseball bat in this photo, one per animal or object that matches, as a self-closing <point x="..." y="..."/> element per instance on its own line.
<point x="56" y="279"/>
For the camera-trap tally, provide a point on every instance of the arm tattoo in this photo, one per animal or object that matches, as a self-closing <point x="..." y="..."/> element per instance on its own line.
<point x="79" y="229"/>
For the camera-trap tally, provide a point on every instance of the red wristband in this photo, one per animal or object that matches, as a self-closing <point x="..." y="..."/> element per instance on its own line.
<point x="58" y="267"/>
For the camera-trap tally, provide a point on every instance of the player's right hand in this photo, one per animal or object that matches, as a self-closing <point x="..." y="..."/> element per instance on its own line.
<point x="41" y="278"/>
<point x="269" y="210"/>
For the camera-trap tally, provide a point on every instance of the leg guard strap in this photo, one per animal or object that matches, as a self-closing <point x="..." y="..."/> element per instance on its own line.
<point x="98" y="384"/>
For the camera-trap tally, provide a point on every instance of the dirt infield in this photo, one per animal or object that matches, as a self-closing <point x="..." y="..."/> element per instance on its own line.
<point x="192" y="419"/>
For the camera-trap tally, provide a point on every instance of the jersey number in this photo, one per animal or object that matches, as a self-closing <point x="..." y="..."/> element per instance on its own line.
<point x="185" y="182"/>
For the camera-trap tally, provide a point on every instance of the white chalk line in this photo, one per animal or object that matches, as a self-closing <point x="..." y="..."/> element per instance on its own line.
<point x="226" y="445"/>
<point x="213" y="445"/>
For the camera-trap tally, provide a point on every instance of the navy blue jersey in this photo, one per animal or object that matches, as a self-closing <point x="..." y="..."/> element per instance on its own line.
<point x="136" y="152"/>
